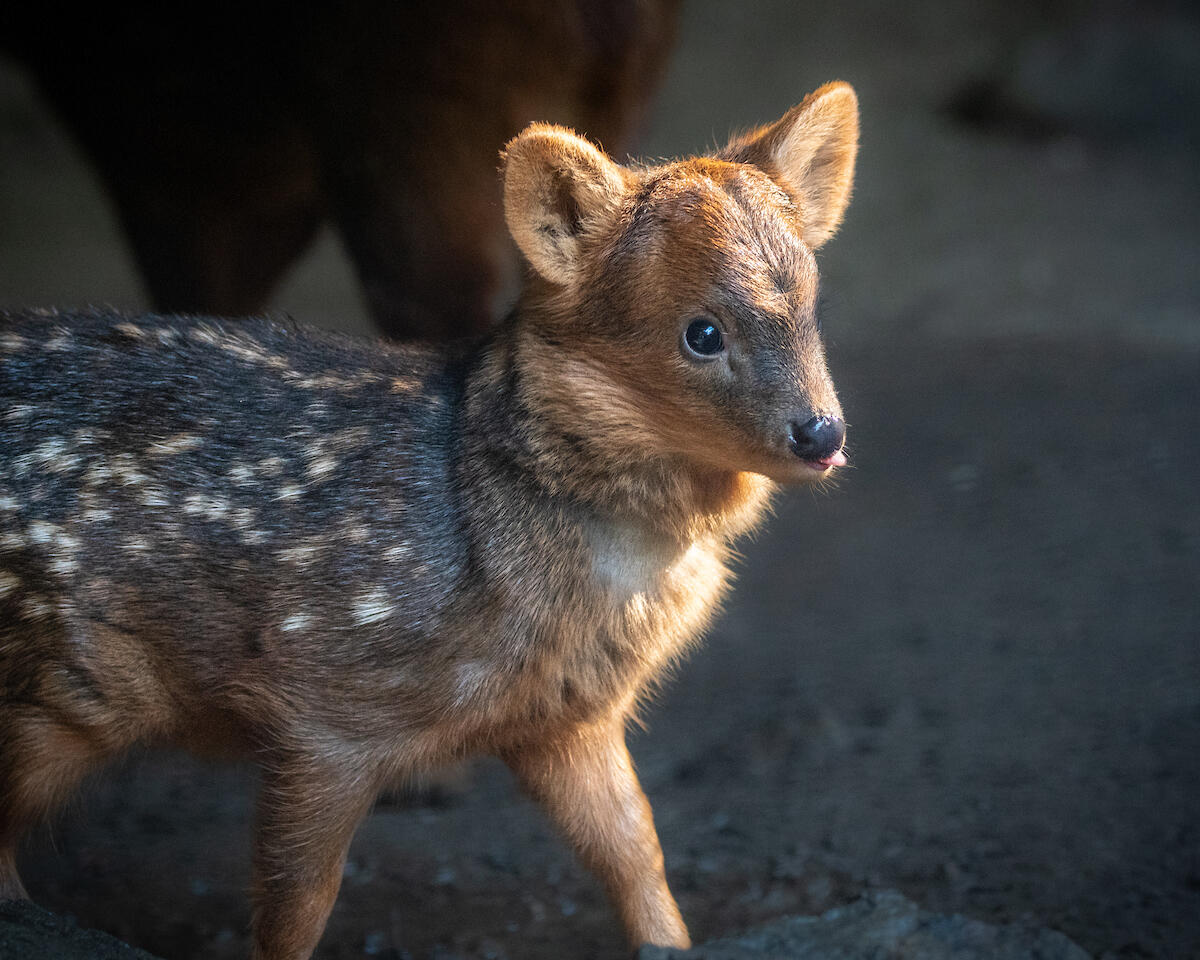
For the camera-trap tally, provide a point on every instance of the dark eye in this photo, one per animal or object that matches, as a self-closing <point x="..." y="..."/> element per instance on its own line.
<point x="703" y="338"/>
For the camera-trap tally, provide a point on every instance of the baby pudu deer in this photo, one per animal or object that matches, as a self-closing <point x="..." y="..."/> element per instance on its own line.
<point x="355" y="561"/>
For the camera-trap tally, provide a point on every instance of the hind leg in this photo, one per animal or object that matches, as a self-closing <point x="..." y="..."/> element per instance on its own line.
<point x="41" y="761"/>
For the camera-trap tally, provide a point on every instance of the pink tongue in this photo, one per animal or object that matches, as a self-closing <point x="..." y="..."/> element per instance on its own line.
<point x="836" y="460"/>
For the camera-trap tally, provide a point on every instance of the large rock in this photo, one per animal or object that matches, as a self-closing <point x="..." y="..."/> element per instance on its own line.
<point x="28" y="932"/>
<point x="881" y="926"/>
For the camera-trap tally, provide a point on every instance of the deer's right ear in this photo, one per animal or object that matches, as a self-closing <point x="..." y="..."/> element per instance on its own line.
<point x="557" y="187"/>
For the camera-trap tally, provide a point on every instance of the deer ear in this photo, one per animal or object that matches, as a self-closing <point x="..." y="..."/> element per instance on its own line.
<point x="811" y="151"/>
<point x="557" y="187"/>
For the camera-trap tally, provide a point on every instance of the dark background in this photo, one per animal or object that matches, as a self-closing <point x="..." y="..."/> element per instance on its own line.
<point x="972" y="672"/>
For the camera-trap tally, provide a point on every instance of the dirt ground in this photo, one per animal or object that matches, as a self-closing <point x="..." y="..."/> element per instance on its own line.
<point x="970" y="673"/>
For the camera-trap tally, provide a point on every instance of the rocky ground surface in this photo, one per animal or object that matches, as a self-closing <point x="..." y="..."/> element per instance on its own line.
<point x="28" y="932"/>
<point x="882" y="926"/>
<point x="970" y="674"/>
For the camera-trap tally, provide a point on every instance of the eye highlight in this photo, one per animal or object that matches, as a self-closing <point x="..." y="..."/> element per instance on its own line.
<point x="703" y="339"/>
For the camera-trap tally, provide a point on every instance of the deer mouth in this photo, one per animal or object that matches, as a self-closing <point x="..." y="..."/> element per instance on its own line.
<point x="821" y="464"/>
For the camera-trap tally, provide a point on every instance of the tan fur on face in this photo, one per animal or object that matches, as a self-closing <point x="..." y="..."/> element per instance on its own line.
<point x="740" y="225"/>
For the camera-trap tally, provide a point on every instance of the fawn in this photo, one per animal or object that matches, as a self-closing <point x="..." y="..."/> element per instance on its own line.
<point x="354" y="561"/>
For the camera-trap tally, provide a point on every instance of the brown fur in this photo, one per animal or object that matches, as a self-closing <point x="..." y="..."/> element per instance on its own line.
<point x="356" y="562"/>
<point x="225" y="143"/>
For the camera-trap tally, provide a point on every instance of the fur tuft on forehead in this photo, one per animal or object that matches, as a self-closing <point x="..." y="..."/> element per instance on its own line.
<point x="733" y="221"/>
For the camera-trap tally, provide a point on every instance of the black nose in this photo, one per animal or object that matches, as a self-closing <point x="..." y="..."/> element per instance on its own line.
<point x="819" y="438"/>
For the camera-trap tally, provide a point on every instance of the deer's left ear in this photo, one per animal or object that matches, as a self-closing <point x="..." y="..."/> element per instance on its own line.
<point x="811" y="151"/>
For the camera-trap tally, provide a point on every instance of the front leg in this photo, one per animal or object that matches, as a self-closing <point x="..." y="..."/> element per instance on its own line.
<point x="309" y="807"/>
<point x="586" y="782"/>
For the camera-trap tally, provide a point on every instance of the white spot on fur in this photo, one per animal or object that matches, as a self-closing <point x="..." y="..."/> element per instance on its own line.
<point x="629" y="559"/>
<point x="374" y="606"/>
<point x="36" y="607"/>
<point x="396" y="553"/>
<point x="241" y="474"/>
<point x="289" y="491"/>
<point x="136" y="545"/>
<point x="42" y="533"/>
<point x="471" y="677"/>
<point x="204" y="335"/>
<point x="60" y="341"/>
<point x="18" y="412"/>
<point x="8" y="583"/>
<point x="63" y="564"/>
<point x="348" y="439"/>
<point x="238" y="345"/>
<point x="155" y="496"/>
<point x="301" y="555"/>
<point x="195" y="504"/>
<point x="8" y="504"/>
<point x="96" y="515"/>
<point x="178" y="443"/>
<point x="12" y="342"/>
<point x="51" y="456"/>
<point x="321" y="466"/>
<point x="131" y="330"/>
<point x="98" y="473"/>
<point x="255" y="537"/>
<point x="200" y="505"/>
<point x="332" y="380"/>
<point x="66" y="542"/>
<point x="356" y="532"/>
<point x="250" y="352"/>
<point x="242" y="517"/>
<point x="297" y="621"/>
<point x="124" y="469"/>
